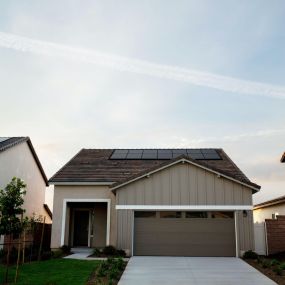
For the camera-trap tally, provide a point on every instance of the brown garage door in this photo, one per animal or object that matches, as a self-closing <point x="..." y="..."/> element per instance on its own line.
<point x="184" y="233"/>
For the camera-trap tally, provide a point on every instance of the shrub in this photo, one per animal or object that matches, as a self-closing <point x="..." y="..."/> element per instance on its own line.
<point x="109" y="250"/>
<point x="265" y="263"/>
<point x="97" y="252"/>
<point x="250" y="255"/>
<point x="121" y="252"/>
<point x="65" y="249"/>
<point x="274" y="262"/>
<point x="282" y="265"/>
<point x="278" y="270"/>
<point x="57" y="253"/>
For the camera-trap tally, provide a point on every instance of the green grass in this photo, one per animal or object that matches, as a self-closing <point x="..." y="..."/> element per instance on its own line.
<point x="52" y="272"/>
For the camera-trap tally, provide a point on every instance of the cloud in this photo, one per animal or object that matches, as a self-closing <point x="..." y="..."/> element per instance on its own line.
<point x="137" y="66"/>
<point x="231" y="138"/>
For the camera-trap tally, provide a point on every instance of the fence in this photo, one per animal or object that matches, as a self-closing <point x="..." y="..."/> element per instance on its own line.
<point x="34" y="242"/>
<point x="270" y="236"/>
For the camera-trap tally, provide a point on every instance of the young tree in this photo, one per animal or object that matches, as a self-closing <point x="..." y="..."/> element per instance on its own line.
<point x="11" y="211"/>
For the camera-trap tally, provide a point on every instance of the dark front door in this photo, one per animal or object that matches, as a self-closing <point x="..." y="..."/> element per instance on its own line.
<point x="81" y="225"/>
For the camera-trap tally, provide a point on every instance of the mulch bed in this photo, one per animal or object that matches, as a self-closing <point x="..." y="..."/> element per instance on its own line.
<point x="267" y="271"/>
<point x="94" y="279"/>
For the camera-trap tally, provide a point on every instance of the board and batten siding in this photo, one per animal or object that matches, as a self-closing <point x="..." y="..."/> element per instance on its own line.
<point x="183" y="184"/>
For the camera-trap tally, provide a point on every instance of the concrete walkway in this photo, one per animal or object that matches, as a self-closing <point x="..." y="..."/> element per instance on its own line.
<point x="80" y="253"/>
<point x="83" y="254"/>
<point x="191" y="270"/>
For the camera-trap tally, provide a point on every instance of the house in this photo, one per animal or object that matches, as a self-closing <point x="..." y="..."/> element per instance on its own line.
<point x="269" y="209"/>
<point x="175" y="202"/>
<point x="283" y="157"/>
<point x="19" y="159"/>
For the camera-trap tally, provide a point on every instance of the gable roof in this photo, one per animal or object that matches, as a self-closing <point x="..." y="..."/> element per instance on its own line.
<point x="94" y="166"/>
<point x="9" y="142"/>
<point x="181" y="159"/>
<point x="268" y="203"/>
<point x="283" y="157"/>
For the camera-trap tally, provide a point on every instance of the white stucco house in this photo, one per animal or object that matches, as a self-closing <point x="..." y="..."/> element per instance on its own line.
<point x="19" y="159"/>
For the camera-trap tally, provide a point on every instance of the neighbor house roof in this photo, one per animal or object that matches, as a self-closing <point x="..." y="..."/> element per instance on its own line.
<point x="9" y="142"/>
<point x="95" y="165"/>
<point x="283" y="157"/>
<point x="276" y="201"/>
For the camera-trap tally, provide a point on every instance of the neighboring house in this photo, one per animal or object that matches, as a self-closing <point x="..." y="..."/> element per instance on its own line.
<point x="19" y="159"/>
<point x="283" y="157"/>
<point x="269" y="209"/>
<point x="180" y="202"/>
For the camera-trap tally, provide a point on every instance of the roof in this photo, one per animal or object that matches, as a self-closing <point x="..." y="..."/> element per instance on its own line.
<point x="276" y="201"/>
<point x="283" y="157"/>
<point x="95" y="166"/>
<point x="9" y="142"/>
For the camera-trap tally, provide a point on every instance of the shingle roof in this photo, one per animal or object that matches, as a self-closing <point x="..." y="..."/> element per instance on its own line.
<point x="12" y="141"/>
<point x="276" y="201"/>
<point x="94" y="165"/>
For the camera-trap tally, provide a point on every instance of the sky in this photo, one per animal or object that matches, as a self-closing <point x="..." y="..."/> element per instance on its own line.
<point x="147" y="74"/>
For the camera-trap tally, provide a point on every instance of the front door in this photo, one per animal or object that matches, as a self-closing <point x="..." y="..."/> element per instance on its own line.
<point x="81" y="228"/>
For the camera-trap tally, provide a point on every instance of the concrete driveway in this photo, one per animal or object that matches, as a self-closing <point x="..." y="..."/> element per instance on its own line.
<point x="191" y="270"/>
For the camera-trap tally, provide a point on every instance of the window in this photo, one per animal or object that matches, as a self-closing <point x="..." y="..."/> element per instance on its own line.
<point x="196" y="215"/>
<point x="145" y="214"/>
<point x="170" y="214"/>
<point x="222" y="215"/>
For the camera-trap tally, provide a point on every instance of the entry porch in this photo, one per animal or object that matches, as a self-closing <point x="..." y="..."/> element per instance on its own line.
<point x="86" y="223"/>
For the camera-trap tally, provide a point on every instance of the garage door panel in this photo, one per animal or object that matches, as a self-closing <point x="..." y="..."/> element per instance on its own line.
<point x="184" y="237"/>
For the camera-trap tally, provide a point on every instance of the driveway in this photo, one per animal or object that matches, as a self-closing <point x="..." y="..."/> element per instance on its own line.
<point x="154" y="270"/>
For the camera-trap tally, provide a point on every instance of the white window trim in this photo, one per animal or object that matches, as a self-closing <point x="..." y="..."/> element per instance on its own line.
<point x="65" y="201"/>
<point x="185" y="207"/>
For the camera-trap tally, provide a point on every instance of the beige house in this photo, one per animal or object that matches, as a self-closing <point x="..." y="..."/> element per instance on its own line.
<point x="19" y="159"/>
<point x="175" y="202"/>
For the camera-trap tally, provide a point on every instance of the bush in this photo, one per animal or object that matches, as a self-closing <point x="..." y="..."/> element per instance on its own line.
<point x="250" y="255"/>
<point x="274" y="262"/>
<point x="57" y="253"/>
<point x="278" y="270"/>
<point x="266" y="263"/>
<point x="66" y="249"/>
<point x="121" y="252"/>
<point x="282" y="265"/>
<point x="109" y="250"/>
<point x="97" y="252"/>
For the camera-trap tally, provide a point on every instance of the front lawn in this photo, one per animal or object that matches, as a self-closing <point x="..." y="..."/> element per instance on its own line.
<point x="52" y="272"/>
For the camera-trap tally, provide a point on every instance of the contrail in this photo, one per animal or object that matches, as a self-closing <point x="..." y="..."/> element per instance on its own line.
<point x="115" y="62"/>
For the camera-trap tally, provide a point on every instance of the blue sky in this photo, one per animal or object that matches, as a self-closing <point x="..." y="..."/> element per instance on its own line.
<point x="65" y="104"/>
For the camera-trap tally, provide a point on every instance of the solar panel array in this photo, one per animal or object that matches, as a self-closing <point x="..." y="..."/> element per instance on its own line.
<point x="198" y="154"/>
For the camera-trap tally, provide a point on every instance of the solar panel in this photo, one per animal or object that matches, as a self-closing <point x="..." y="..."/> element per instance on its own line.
<point x="119" y="154"/>
<point x="212" y="156"/>
<point x="191" y="150"/>
<point x="134" y="154"/>
<point x="164" y="154"/>
<point x="196" y="155"/>
<point x="212" y="151"/>
<point x="149" y="154"/>
<point x="2" y="139"/>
